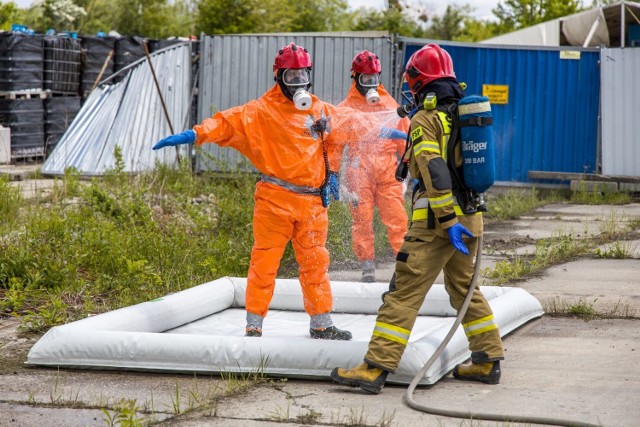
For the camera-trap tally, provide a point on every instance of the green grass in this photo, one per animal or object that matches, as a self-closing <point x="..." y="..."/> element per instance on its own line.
<point x="599" y="195"/>
<point x="560" y="247"/>
<point x="517" y="202"/>
<point x="96" y="246"/>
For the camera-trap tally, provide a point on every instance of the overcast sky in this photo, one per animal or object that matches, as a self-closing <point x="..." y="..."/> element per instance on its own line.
<point x="482" y="7"/>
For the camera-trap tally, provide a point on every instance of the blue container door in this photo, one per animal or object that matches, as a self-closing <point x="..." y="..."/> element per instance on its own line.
<point x="546" y="117"/>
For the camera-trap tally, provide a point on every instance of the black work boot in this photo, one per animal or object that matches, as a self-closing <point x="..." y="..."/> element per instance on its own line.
<point x="252" y="332"/>
<point x="368" y="378"/>
<point x="488" y="372"/>
<point x="330" y="333"/>
<point x="368" y="271"/>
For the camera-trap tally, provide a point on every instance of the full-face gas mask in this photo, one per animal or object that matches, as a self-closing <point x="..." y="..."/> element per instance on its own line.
<point x="367" y="85"/>
<point x="295" y="83"/>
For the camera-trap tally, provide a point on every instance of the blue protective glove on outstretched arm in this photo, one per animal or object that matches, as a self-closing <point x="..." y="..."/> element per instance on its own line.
<point x="392" y="133"/>
<point x="334" y="186"/>
<point x="455" y="237"/>
<point x="186" y="137"/>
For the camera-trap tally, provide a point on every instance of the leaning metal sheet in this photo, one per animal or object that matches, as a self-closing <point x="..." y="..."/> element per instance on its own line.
<point x="200" y="330"/>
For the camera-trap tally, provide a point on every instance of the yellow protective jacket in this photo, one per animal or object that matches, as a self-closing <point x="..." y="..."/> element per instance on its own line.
<point x="435" y="204"/>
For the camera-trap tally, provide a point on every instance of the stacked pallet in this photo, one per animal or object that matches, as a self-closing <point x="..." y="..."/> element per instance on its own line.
<point x="45" y="79"/>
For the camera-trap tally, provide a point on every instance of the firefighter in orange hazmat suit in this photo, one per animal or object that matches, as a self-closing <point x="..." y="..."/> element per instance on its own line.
<point x="283" y="134"/>
<point x="371" y="163"/>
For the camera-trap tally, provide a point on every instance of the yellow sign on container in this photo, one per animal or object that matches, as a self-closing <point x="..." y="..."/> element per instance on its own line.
<point x="497" y="94"/>
<point x="569" y="54"/>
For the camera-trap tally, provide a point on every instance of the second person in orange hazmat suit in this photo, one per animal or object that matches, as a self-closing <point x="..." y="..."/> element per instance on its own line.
<point x="284" y="135"/>
<point x="371" y="163"/>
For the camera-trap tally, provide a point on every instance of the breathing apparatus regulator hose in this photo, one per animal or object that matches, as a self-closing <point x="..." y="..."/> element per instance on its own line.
<point x="471" y="415"/>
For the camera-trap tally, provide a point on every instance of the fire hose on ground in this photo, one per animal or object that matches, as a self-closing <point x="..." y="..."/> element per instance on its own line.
<point x="475" y="415"/>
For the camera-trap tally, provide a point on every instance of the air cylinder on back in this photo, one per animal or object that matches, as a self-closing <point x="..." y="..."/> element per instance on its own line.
<point x="478" y="152"/>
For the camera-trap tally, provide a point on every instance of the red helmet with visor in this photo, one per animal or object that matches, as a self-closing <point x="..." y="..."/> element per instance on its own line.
<point x="429" y="63"/>
<point x="292" y="56"/>
<point x="366" y="63"/>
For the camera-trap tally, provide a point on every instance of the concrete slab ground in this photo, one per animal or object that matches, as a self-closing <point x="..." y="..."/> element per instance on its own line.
<point x="20" y="171"/>
<point x="21" y="176"/>
<point x="564" y="367"/>
<point x="34" y="188"/>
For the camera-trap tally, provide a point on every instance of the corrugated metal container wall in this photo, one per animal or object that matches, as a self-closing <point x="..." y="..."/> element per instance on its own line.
<point x="332" y="58"/>
<point x="235" y="69"/>
<point x="550" y="122"/>
<point x="129" y="114"/>
<point x="620" y="112"/>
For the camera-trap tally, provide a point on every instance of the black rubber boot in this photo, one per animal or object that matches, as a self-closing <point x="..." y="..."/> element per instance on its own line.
<point x="330" y="333"/>
<point x="488" y="373"/>
<point x="368" y="272"/>
<point x="253" y="333"/>
<point x="368" y="378"/>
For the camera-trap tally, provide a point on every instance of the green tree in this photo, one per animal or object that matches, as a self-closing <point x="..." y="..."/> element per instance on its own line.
<point x="60" y="15"/>
<point x="268" y="16"/>
<point x="9" y="14"/>
<point x="474" y="30"/>
<point x="517" y="14"/>
<point x="316" y="15"/>
<point x="100" y="16"/>
<point x="394" y="20"/>
<point x="147" y="18"/>
<point x="226" y="16"/>
<point x="449" y="26"/>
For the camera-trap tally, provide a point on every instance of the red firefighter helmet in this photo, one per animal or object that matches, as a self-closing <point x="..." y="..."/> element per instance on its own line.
<point x="429" y="63"/>
<point x="366" y="63"/>
<point x="292" y="56"/>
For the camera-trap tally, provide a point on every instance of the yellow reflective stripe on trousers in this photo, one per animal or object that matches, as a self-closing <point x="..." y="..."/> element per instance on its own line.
<point x="479" y="326"/>
<point x="429" y="146"/>
<point x="442" y="201"/>
<point x="391" y="332"/>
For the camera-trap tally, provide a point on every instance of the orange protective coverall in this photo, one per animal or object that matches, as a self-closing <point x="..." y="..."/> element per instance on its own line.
<point x="370" y="172"/>
<point x="276" y="138"/>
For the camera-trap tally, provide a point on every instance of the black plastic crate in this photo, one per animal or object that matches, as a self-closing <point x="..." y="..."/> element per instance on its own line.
<point x="25" y="117"/>
<point x="97" y="53"/>
<point x="59" y="112"/>
<point x="62" y="65"/>
<point x="21" y="62"/>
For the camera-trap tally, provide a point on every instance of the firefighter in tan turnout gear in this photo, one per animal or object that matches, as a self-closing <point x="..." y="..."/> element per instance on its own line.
<point x="434" y="241"/>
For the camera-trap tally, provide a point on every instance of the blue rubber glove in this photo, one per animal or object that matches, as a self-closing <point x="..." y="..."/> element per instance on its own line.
<point x="334" y="186"/>
<point x="455" y="237"/>
<point x="186" y="137"/>
<point x="392" y="133"/>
